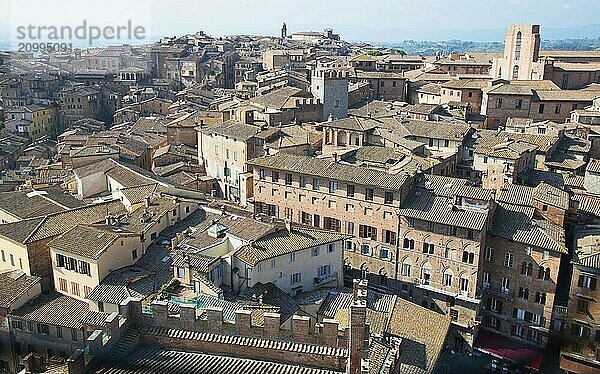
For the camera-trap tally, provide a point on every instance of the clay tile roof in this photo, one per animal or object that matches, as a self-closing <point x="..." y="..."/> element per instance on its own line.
<point x="424" y="205"/>
<point x="13" y="284"/>
<point x="423" y="333"/>
<point x="54" y="309"/>
<point x="28" y="204"/>
<point x="85" y="241"/>
<point x="326" y="168"/>
<point x="158" y="360"/>
<point x="516" y="223"/>
<point x="283" y="242"/>
<point x="234" y="130"/>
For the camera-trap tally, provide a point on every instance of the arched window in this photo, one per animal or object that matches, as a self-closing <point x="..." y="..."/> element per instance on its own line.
<point x="541" y="273"/>
<point x="547" y="274"/>
<point x="530" y="269"/>
<point x="526" y="294"/>
<point x="540" y="298"/>
<point x="426" y="273"/>
<point x="518" y="46"/>
<point x="515" y="72"/>
<point x="448" y="275"/>
<point x="524" y="268"/>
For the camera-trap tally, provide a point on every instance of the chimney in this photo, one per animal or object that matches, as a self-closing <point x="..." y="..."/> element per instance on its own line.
<point x="108" y="220"/>
<point x="330" y="118"/>
<point x="147" y="201"/>
<point x="358" y="320"/>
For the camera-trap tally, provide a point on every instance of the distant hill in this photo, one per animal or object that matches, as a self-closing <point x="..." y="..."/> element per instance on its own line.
<point x="429" y="48"/>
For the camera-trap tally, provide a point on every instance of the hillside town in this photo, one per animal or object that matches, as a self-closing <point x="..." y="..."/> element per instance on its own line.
<point x="300" y="204"/>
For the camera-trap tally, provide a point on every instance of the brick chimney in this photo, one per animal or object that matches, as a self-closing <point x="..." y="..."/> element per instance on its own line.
<point x="358" y="328"/>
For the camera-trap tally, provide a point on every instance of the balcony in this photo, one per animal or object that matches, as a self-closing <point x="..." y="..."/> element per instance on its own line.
<point x="502" y="292"/>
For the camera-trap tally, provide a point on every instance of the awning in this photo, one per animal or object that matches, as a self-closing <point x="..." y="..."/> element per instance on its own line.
<point x="504" y="348"/>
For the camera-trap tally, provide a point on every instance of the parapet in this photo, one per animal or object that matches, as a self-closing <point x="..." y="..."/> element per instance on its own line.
<point x="247" y="322"/>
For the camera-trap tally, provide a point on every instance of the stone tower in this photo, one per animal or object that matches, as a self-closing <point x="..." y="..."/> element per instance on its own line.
<point x="331" y="87"/>
<point x="521" y="53"/>
<point x="283" y="31"/>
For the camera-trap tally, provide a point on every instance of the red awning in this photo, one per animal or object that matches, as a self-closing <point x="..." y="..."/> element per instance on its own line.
<point x="502" y="347"/>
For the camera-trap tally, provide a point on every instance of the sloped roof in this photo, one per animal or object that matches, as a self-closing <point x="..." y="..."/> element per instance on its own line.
<point x="423" y="205"/>
<point x="516" y="223"/>
<point x="326" y="168"/>
<point x="283" y="242"/>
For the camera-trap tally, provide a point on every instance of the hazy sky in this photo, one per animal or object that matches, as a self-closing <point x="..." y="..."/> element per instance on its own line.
<point x="371" y="20"/>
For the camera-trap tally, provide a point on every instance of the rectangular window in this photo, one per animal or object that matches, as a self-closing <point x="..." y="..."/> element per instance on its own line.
<point x="216" y="149"/>
<point x="59" y="332"/>
<point x="587" y="281"/>
<point x="315" y="252"/>
<point x="74" y="335"/>
<point x="557" y="109"/>
<point x="350" y="228"/>
<point x="489" y="254"/>
<point x="134" y="254"/>
<point x="498" y="103"/>
<point x="43" y="329"/>
<point x="541" y="109"/>
<point x="324" y="271"/>
<point x="292" y="257"/>
<point x="63" y="284"/>
<point x="180" y="272"/>
<point x="406" y="270"/>
<point x="448" y="280"/>
<point x="389" y="237"/>
<point x="273" y="263"/>
<point x="505" y="284"/>
<point x="235" y="157"/>
<point x="350" y="191"/>
<point x="389" y="197"/>
<point x="288" y="179"/>
<point x="367" y="232"/>
<point x="330" y="247"/>
<point x="302" y="181"/>
<point x="369" y="194"/>
<point x="384" y="254"/>
<point x="316" y="184"/>
<point x="519" y="104"/>
<point x="332" y="187"/>
<point x="296" y="278"/>
<point x="262" y="174"/>
<point x="508" y="259"/>
<point x="275" y="176"/>
<point x="75" y="288"/>
<point x="583" y="306"/>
